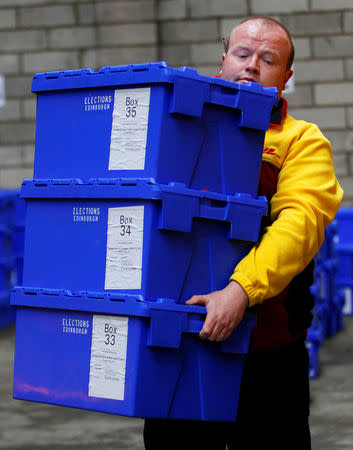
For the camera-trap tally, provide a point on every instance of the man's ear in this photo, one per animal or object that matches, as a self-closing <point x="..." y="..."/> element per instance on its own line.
<point x="223" y="56"/>
<point x="289" y="73"/>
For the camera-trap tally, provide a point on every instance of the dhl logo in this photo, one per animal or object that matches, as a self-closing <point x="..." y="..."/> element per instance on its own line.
<point x="270" y="151"/>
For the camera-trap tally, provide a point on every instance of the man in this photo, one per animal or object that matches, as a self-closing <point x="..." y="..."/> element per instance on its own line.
<point x="298" y="179"/>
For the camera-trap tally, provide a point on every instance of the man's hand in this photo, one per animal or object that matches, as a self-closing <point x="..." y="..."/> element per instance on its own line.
<point x="225" y="309"/>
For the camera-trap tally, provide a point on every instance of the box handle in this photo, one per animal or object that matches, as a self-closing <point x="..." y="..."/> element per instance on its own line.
<point x="178" y="212"/>
<point x="164" y="332"/>
<point x="189" y="97"/>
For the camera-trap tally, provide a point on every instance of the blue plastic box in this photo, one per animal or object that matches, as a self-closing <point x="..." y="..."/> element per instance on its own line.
<point x="151" y="121"/>
<point x="122" y="355"/>
<point x="134" y="236"/>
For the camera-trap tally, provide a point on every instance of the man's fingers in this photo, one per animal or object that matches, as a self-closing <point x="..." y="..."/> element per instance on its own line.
<point x="222" y="335"/>
<point x="198" y="300"/>
<point x="213" y="329"/>
<point x="219" y="333"/>
<point x="208" y="327"/>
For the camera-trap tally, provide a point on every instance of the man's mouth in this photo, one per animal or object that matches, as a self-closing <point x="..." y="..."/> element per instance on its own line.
<point x="246" y="80"/>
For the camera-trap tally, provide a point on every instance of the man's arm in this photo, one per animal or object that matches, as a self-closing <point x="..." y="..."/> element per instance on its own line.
<point x="306" y="201"/>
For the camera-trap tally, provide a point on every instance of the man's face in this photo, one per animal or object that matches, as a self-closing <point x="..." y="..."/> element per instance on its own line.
<point x="257" y="53"/>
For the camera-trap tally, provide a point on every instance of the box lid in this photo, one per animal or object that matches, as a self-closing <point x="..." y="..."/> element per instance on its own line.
<point x="190" y="89"/>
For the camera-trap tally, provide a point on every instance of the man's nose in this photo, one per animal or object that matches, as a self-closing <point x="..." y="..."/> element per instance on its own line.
<point x="253" y="65"/>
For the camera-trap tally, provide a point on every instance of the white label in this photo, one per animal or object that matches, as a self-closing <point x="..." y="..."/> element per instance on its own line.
<point x="123" y="268"/>
<point x="129" y="129"/>
<point x="108" y="357"/>
<point x="347" y="307"/>
<point x="2" y="91"/>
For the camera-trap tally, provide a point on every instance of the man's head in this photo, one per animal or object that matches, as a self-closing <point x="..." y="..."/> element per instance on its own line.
<point x="260" y="49"/>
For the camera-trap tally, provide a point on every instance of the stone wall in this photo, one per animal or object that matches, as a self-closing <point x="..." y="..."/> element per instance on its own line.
<point x="46" y="35"/>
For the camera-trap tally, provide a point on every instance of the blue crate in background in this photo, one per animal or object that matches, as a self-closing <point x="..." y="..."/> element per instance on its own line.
<point x="329" y="299"/>
<point x="19" y="235"/>
<point x="339" y="302"/>
<point x="4" y="299"/>
<point x="344" y="218"/>
<point x="119" y="354"/>
<point x="344" y="249"/>
<point x="7" y="313"/>
<point x="345" y="263"/>
<point x="8" y="271"/>
<point x="135" y="236"/>
<point x="6" y="240"/>
<point x="8" y="207"/>
<point x="328" y="248"/>
<point x="317" y="331"/>
<point x="151" y="121"/>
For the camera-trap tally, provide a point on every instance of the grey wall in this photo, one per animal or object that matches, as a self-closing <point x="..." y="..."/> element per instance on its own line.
<point x="45" y="35"/>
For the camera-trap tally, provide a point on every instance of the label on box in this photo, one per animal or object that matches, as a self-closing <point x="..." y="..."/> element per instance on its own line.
<point x="108" y="357"/>
<point x="129" y="129"/>
<point x="123" y="268"/>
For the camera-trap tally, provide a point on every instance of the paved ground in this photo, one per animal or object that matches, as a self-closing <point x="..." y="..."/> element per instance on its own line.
<point x="29" y="426"/>
<point x="332" y="393"/>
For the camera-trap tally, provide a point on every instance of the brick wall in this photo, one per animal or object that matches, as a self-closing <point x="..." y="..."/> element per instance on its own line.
<point x="45" y="35"/>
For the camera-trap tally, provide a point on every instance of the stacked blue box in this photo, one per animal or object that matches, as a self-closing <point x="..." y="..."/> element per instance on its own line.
<point x="344" y="249"/>
<point x="139" y="250"/>
<point x="119" y="354"/>
<point x="151" y="121"/>
<point x="144" y="193"/>
<point x="134" y="236"/>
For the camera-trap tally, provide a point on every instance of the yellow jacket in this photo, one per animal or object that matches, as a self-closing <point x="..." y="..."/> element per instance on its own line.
<point x="305" y="201"/>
